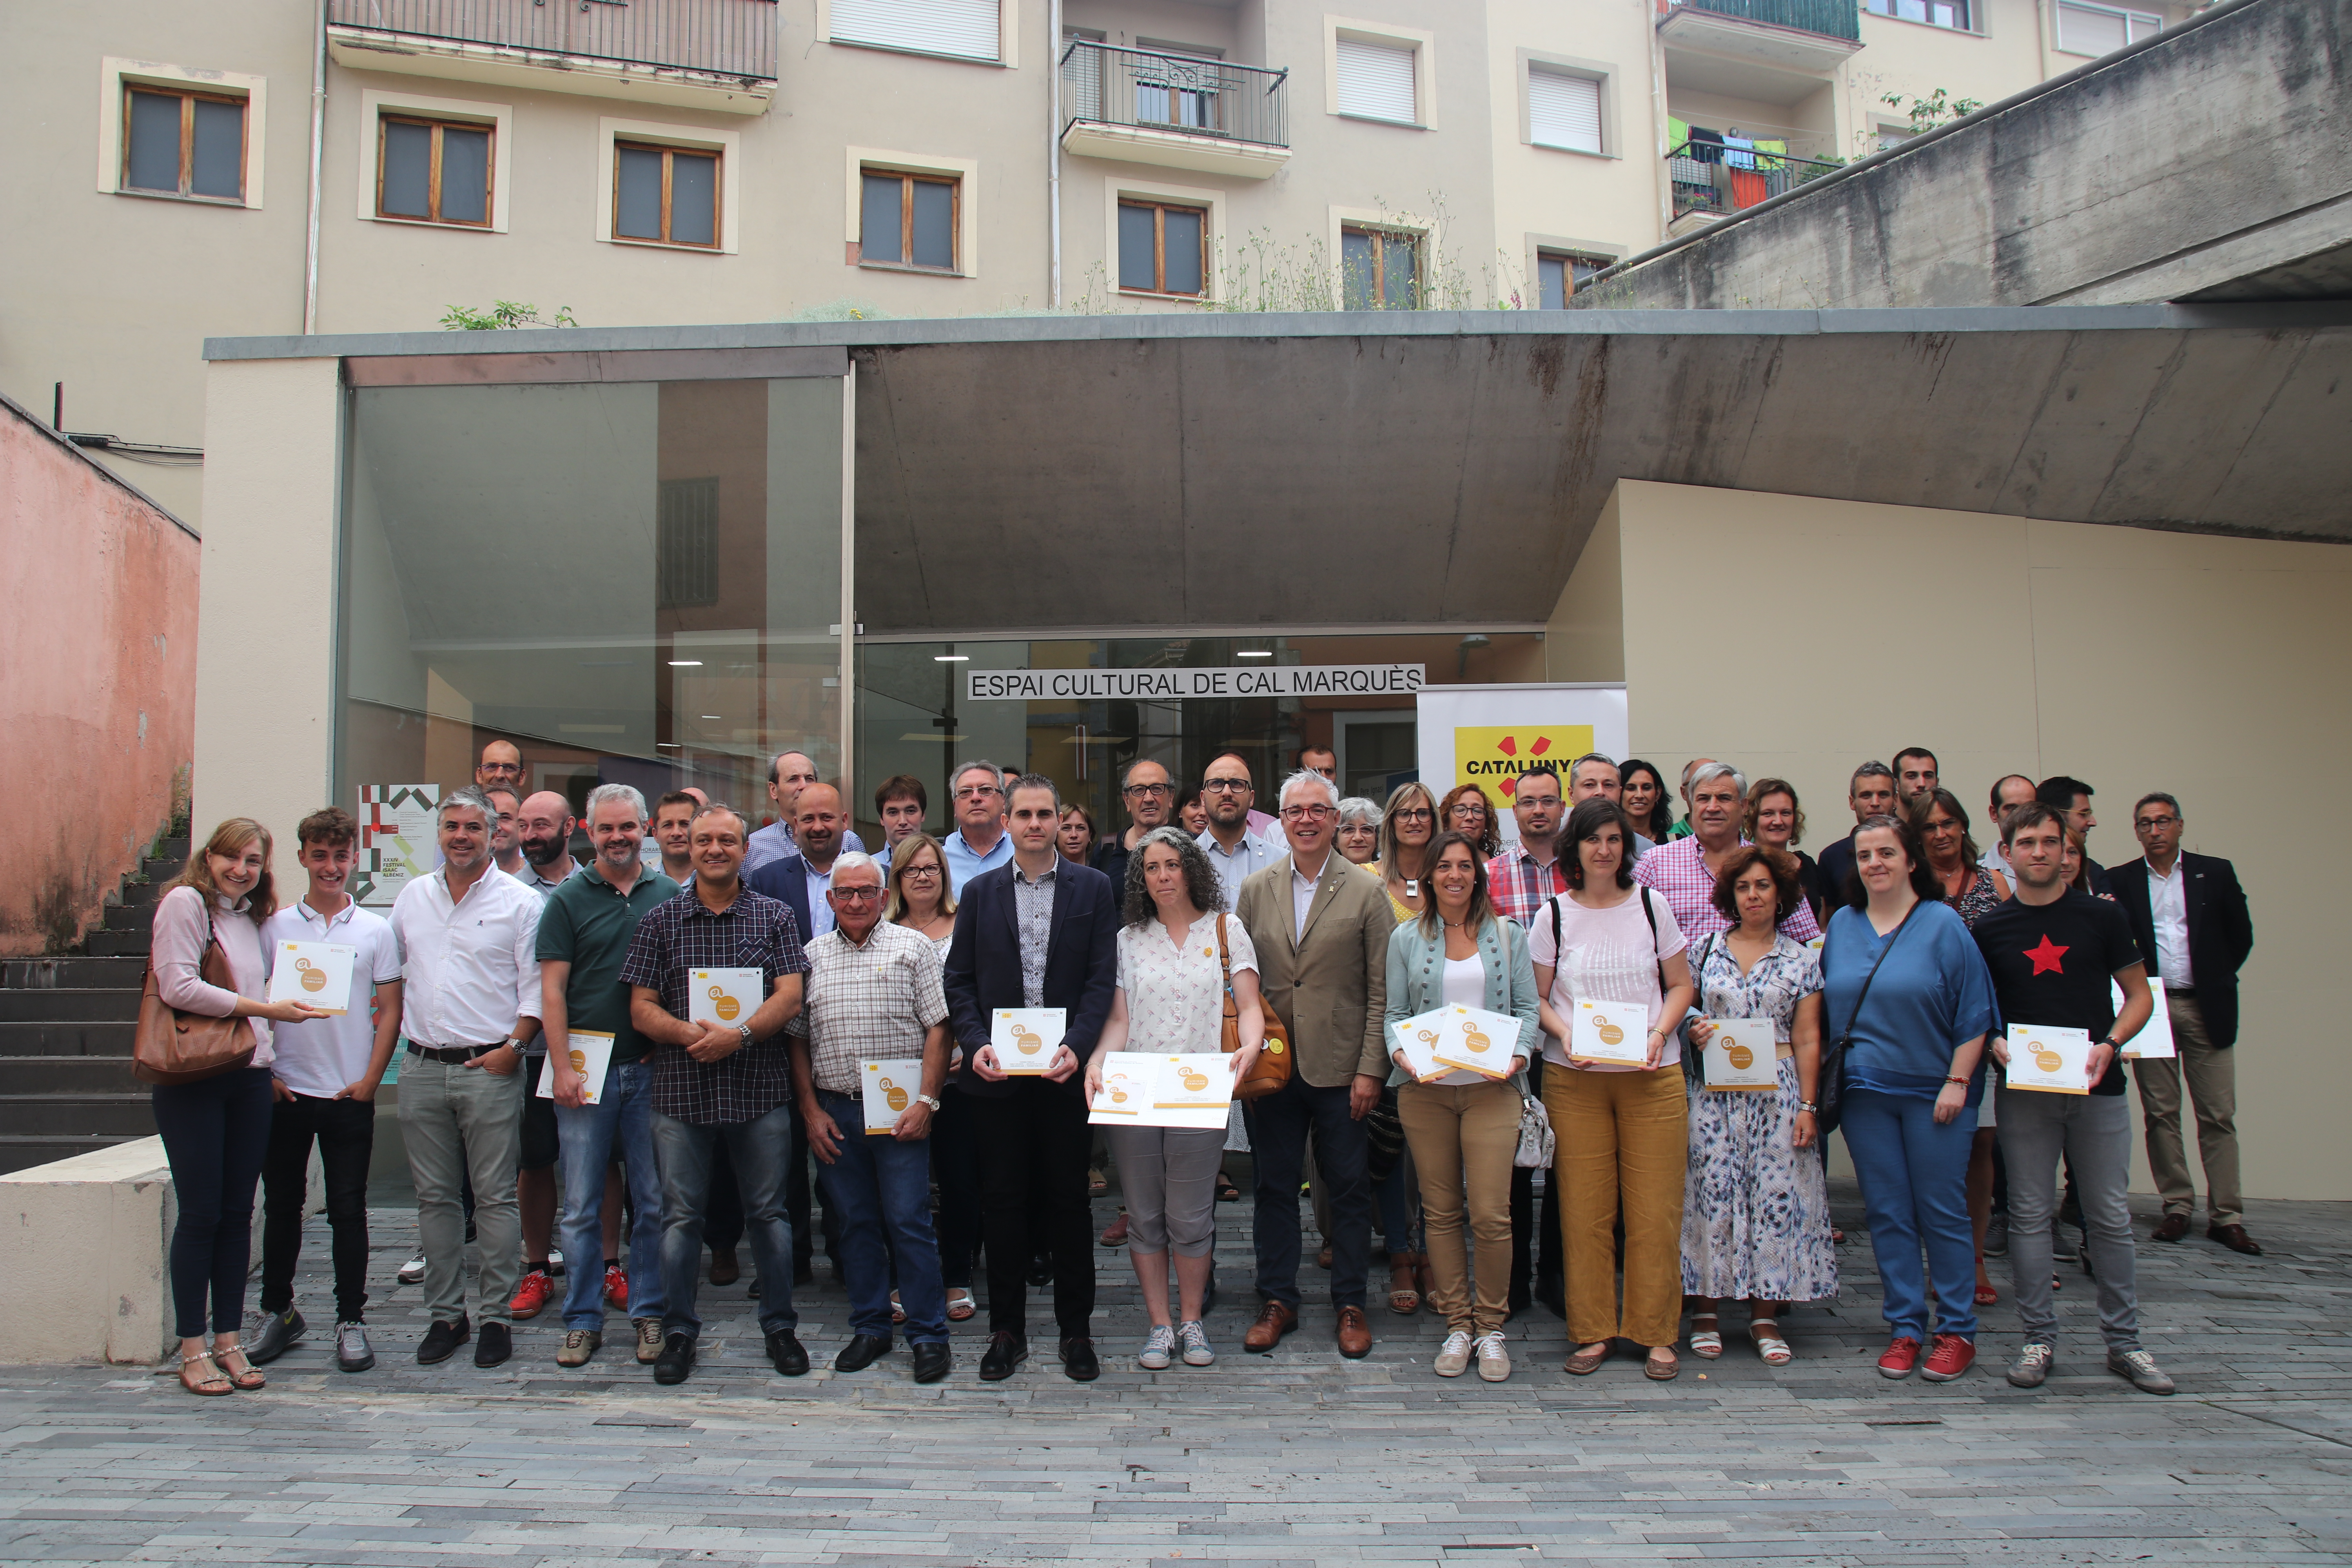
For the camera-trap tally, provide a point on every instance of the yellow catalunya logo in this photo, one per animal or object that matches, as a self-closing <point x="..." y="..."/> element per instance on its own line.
<point x="1492" y="756"/>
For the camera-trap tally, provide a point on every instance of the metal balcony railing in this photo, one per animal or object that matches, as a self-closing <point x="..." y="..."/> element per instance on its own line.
<point x="1175" y="92"/>
<point x="1833" y="18"/>
<point x="725" y="38"/>
<point x="1710" y="177"/>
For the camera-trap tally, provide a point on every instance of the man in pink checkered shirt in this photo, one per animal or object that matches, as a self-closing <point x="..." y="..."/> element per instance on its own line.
<point x="1525" y="874"/>
<point x="1683" y="872"/>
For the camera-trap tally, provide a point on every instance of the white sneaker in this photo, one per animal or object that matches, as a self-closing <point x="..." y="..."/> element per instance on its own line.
<point x="1494" y="1360"/>
<point x="1159" y="1348"/>
<point x="413" y="1271"/>
<point x="1454" y="1355"/>
<point x="1195" y="1340"/>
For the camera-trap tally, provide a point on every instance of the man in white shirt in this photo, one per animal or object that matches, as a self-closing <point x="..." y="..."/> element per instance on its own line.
<point x="468" y="943"/>
<point x="789" y="773"/>
<point x="1227" y="795"/>
<point x="324" y="1076"/>
<point x="979" y="842"/>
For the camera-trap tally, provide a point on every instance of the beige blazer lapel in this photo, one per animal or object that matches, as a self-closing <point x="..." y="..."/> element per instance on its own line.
<point x="1326" y="887"/>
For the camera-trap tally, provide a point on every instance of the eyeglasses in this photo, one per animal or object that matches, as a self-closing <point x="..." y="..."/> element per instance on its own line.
<point x="1138" y="791"/>
<point x="1415" y="814"/>
<point x="978" y="792"/>
<point x="855" y="895"/>
<point x="1307" y="813"/>
<point x="1226" y="786"/>
<point x="1540" y="802"/>
<point x="928" y="872"/>
<point x="2159" y="822"/>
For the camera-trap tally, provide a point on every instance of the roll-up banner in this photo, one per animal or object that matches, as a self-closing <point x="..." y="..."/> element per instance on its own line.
<point x="1489" y="735"/>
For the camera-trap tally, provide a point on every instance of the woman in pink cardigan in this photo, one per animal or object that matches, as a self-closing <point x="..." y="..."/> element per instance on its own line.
<point x="217" y="1129"/>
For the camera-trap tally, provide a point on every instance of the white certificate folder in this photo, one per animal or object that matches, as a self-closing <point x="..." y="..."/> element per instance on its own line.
<point x="318" y="973"/>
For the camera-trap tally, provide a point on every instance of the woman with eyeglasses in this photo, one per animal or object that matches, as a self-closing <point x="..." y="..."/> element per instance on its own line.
<point x="1466" y="810"/>
<point x="921" y="900"/>
<point x="1359" y="839"/>
<point x="1407" y="828"/>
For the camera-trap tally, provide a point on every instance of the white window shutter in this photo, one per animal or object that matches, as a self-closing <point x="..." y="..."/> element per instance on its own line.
<point x="1376" y="80"/>
<point x="965" y="28"/>
<point x="2090" y="30"/>
<point x="1563" y="111"/>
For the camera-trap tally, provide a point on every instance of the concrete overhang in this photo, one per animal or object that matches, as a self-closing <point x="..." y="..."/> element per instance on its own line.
<point x="542" y="70"/>
<point x="1173" y="149"/>
<point x="1447" y="468"/>
<point x="1708" y="51"/>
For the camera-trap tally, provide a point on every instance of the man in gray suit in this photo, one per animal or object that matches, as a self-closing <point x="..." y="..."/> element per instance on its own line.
<point x="1321" y="928"/>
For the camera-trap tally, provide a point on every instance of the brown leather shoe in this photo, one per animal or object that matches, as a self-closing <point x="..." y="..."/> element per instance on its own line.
<point x="2234" y="1238"/>
<point x="1355" y="1333"/>
<point x="2172" y="1227"/>
<point x="1274" y="1321"/>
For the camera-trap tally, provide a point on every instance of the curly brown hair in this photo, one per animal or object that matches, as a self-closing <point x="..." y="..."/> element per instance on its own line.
<point x="1490" y="838"/>
<point x="1789" y="891"/>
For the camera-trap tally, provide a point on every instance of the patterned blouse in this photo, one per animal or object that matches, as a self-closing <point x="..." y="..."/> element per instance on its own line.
<point x="1781" y="978"/>
<point x="1979" y="899"/>
<point x="1176" y="991"/>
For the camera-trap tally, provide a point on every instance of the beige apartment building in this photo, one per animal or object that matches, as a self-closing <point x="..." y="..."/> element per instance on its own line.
<point x="647" y="163"/>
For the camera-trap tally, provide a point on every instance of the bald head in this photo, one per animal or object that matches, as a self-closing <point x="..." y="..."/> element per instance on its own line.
<point x="501" y="763"/>
<point x="544" y="827"/>
<point x="818" y="823"/>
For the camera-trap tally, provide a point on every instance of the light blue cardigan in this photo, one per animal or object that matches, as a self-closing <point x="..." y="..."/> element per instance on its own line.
<point x="1417" y="980"/>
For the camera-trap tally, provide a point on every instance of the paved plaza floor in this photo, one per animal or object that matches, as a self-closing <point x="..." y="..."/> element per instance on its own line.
<point x="1297" y="1458"/>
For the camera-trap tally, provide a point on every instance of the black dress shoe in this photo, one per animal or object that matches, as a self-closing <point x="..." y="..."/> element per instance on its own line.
<point x="1078" y="1363"/>
<point x="932" y="1362"/>
<point x="790" y="1356"/>
<point x="493" y="1345"/>
<point x="442" y="1340"/>
<point x="861" y="1352"/>
<point x="677" y="1359"/>
<point x="1007" y="1350"/>
<point x="2234" y="1238"/>
<point x="1041" y="1270"/>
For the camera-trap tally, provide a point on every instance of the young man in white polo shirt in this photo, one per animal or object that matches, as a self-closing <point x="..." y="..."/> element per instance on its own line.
<point x="325" y="1078"/>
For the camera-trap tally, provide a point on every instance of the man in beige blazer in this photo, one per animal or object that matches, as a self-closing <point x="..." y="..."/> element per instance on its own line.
<point x="1321" y="928"/>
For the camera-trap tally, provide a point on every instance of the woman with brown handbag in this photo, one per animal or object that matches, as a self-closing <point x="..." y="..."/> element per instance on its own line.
<point x="1171" y="999"/>
<point x="211" y="1095"/>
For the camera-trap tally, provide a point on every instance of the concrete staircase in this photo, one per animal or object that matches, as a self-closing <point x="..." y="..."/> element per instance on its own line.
<point x="65" y="1028"/>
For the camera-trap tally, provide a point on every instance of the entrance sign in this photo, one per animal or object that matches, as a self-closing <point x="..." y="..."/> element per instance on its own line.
<point x="1489" y="735"/>
<point x="1234" y="680"/>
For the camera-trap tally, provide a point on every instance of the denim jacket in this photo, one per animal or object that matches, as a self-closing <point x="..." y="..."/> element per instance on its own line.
<point x="1417" y="980"/>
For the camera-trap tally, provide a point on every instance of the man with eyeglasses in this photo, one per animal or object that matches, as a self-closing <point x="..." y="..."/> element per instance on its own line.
<point x="1234" y="851"/>
<point x="2191" y="917"/>
<point x="501" y="767"/>
<point x="789" y="773"/>
<point x="1525" y="876"/>
<point x="1150" y="800"/>
<point x="1321" y="928"/>
<point x="979" y="842"/>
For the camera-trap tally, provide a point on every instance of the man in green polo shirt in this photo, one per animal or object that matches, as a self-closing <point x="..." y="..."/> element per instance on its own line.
<point x="583" y="936"/>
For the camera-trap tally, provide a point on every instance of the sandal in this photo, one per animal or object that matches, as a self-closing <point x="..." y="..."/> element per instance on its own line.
<point x="1097" y="1184"/>
<point x="1226" y="1192"/>
<point x="1587" y="1358"/>
<point x="1708" y="1343"/>
<point x="961" y="1306"/>
<point x="244" y="1382"/>
<point x="1987" y="1295"/>
<point x="211" y="1386"/>
<point x="1766" y="1332"/>
<point x="1665" y="1370"/>
<point x="1403" y="1300"/>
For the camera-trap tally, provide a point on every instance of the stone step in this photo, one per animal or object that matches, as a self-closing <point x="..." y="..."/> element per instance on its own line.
<point x="160" y="869"/>
<point x="71" y="1075"/>
<point x="117" y="943"/>
<point x="69" y="973"/>
<point x="130" y="917"/>
<point x="108" y="1005"/>
<point x="103" y="1116"/>
<point x="139" y="895"/>
<point x="23" y="1153"/>
<point x="63" y="1038"/>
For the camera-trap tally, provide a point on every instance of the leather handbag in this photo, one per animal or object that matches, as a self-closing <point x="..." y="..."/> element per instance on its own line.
<point x="172" y="1047"/>
<point x="1271" y="1071"/>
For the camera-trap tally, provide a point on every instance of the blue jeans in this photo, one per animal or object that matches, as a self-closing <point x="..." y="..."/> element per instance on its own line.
<point x="881" y="1188"/>
<point x="1915" y="1179"/>
<point x="624" y="1113"/>
<point x="758" y="1149"/>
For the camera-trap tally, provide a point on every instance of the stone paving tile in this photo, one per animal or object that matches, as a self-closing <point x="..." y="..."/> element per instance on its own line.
<point x="1297" y="1458"/>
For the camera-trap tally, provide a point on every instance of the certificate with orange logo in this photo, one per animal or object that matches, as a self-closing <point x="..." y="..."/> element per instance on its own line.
<point x="1026" y="1038"/>
<point x="890" y="1087"/>
<point x="1742" y="1054"/>
<point x="726" y="996"/>
<point x="591" y="1052"/>
<point x="1475" y="1040"/>
<point x="1127" y="1080"/>
<point x="318" y="973"/>
<point x="1418" y="1039"/>
<point x="1201" y="1082"/>
<point x="1613" y="1033"/>
<point x="2054" y="1061"/>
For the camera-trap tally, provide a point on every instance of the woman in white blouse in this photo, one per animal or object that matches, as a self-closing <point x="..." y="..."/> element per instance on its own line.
<point x="1170" y="1000"/>
<point x="217" y="1129"/>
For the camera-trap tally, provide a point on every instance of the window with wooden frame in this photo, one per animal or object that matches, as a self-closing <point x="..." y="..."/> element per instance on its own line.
<point x="1164" y="249"/>
<point x="1560" y="273"/>
<point x="1380" y="269"/>
<point x="666" y="196"/>
<point x="177" y="143"/>
<point x="433" y="171"/>
<point x="909" y="220"/>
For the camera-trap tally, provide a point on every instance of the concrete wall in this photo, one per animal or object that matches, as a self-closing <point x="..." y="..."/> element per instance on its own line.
<point x="97" y="678"/>
<point x="87" y="1277"/>
<point x="1831" y="632"/>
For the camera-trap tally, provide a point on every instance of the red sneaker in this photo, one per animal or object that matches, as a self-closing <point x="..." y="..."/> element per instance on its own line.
<point x="617" y="1286"/>
<point x="1952" y="1356"/>
<point x="1901" y="1355"/>
<point x="533" y="1294"/>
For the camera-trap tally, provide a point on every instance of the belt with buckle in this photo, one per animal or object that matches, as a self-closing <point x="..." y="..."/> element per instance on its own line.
<point x="455" y="1055"/>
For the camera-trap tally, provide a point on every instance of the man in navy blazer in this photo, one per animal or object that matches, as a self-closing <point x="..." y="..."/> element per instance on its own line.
<point x="1040" y="931"/>
<point x="2191" y="917"/>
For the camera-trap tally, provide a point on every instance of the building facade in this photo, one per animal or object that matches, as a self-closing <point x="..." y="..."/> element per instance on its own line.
<point x="369" y="165"/>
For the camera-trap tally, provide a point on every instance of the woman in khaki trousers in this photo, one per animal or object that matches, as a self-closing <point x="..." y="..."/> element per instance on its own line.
<point x="1623" y="1130"/>
<point x="1464" y="1127"/>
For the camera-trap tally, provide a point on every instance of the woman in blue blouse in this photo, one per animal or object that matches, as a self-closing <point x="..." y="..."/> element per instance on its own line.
<point x="1910" y="1083"/>
<point x="1464" y="1127"/>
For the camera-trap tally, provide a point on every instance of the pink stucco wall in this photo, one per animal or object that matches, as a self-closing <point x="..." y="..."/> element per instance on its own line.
<point x="97" y="678"/>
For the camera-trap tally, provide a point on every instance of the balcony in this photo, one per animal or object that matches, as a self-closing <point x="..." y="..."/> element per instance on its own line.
<point x="1177" y="111"/>
<point x="691" y="54"/>
<point x="1712" y="179"/>
<point x="1767" y="51"/>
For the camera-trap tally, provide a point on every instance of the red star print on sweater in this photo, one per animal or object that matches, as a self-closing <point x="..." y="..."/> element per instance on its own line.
<point x="2046" y="956"/>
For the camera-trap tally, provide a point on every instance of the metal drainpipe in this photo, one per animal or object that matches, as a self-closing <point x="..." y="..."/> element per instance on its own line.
<point x="1054" y="156"/>
<point x="317" y="136"/>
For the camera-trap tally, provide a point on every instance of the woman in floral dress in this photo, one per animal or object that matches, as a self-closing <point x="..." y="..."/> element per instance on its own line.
<point x="1756" y="1220"/>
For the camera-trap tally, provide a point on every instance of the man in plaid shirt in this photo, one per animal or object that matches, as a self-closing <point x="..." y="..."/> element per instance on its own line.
<point x="715" y="1080"/>
<point x="1527" y="874"/>
<point x="1683" y="872"/>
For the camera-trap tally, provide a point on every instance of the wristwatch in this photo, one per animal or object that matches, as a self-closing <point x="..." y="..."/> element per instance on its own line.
<point x="744" y="1030"/>
<point x="930" y="1100"/>
<point x="1809" y="1108"/>
<point x="513" y="1044"/>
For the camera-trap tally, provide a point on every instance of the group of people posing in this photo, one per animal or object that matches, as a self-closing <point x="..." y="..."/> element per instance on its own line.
<point x="1886" y="971"/>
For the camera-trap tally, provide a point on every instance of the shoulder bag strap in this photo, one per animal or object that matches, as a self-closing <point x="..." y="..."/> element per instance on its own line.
<point x="1226" y="968"/>
<point x="1846" y="1034"/>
